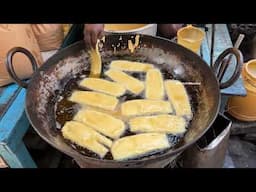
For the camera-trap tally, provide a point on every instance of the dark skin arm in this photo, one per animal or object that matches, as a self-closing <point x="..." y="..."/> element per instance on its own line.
<point x="93" y="32"/>
<point x="168" y="30"/>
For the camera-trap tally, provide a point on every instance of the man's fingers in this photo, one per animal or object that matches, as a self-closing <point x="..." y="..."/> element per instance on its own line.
<point x="91" y="37"/>
<point x="101" y="34"/>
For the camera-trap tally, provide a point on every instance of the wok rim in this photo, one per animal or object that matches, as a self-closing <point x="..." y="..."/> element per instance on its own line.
<point x="169" y="152"/>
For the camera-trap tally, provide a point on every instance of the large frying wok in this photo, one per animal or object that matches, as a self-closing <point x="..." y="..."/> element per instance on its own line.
<point x="183" y="64"/>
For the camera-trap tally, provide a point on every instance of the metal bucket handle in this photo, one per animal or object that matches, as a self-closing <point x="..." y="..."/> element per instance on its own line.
<point x="10" y="68"/>
<point x="221" y="64"/>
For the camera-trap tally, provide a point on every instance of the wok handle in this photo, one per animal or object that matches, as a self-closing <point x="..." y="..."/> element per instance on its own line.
<point x="10" y="68"/>
<point x="221" y="64"/>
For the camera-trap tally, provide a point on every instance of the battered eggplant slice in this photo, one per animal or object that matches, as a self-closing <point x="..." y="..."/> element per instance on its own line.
<point x="138" y="145"/>
<point x="131" y="66"/>
<point x="145" y="107"/>
<point x="178" y="96"/>
<point x="169" y="124"/>
<point x="154" y="85"/>
<point x="95" y="60"/>
<point x="94" y="99"/>
<point x="104" y="86"/>
<point x="132" y="84"/>
<point x="86" y="137"/>
<point x="101" y="122"/>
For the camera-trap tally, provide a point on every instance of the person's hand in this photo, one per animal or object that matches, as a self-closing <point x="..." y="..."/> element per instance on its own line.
<point x="169" y="30"/>
<point x="93" y="32"/>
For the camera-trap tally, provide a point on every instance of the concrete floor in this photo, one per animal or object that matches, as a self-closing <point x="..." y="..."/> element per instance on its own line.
<point x="242" y="153"/>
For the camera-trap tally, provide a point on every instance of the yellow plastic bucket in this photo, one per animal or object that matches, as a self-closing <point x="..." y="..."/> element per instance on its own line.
<point x="244" y="108"/>
<point x="190" y="37"/>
